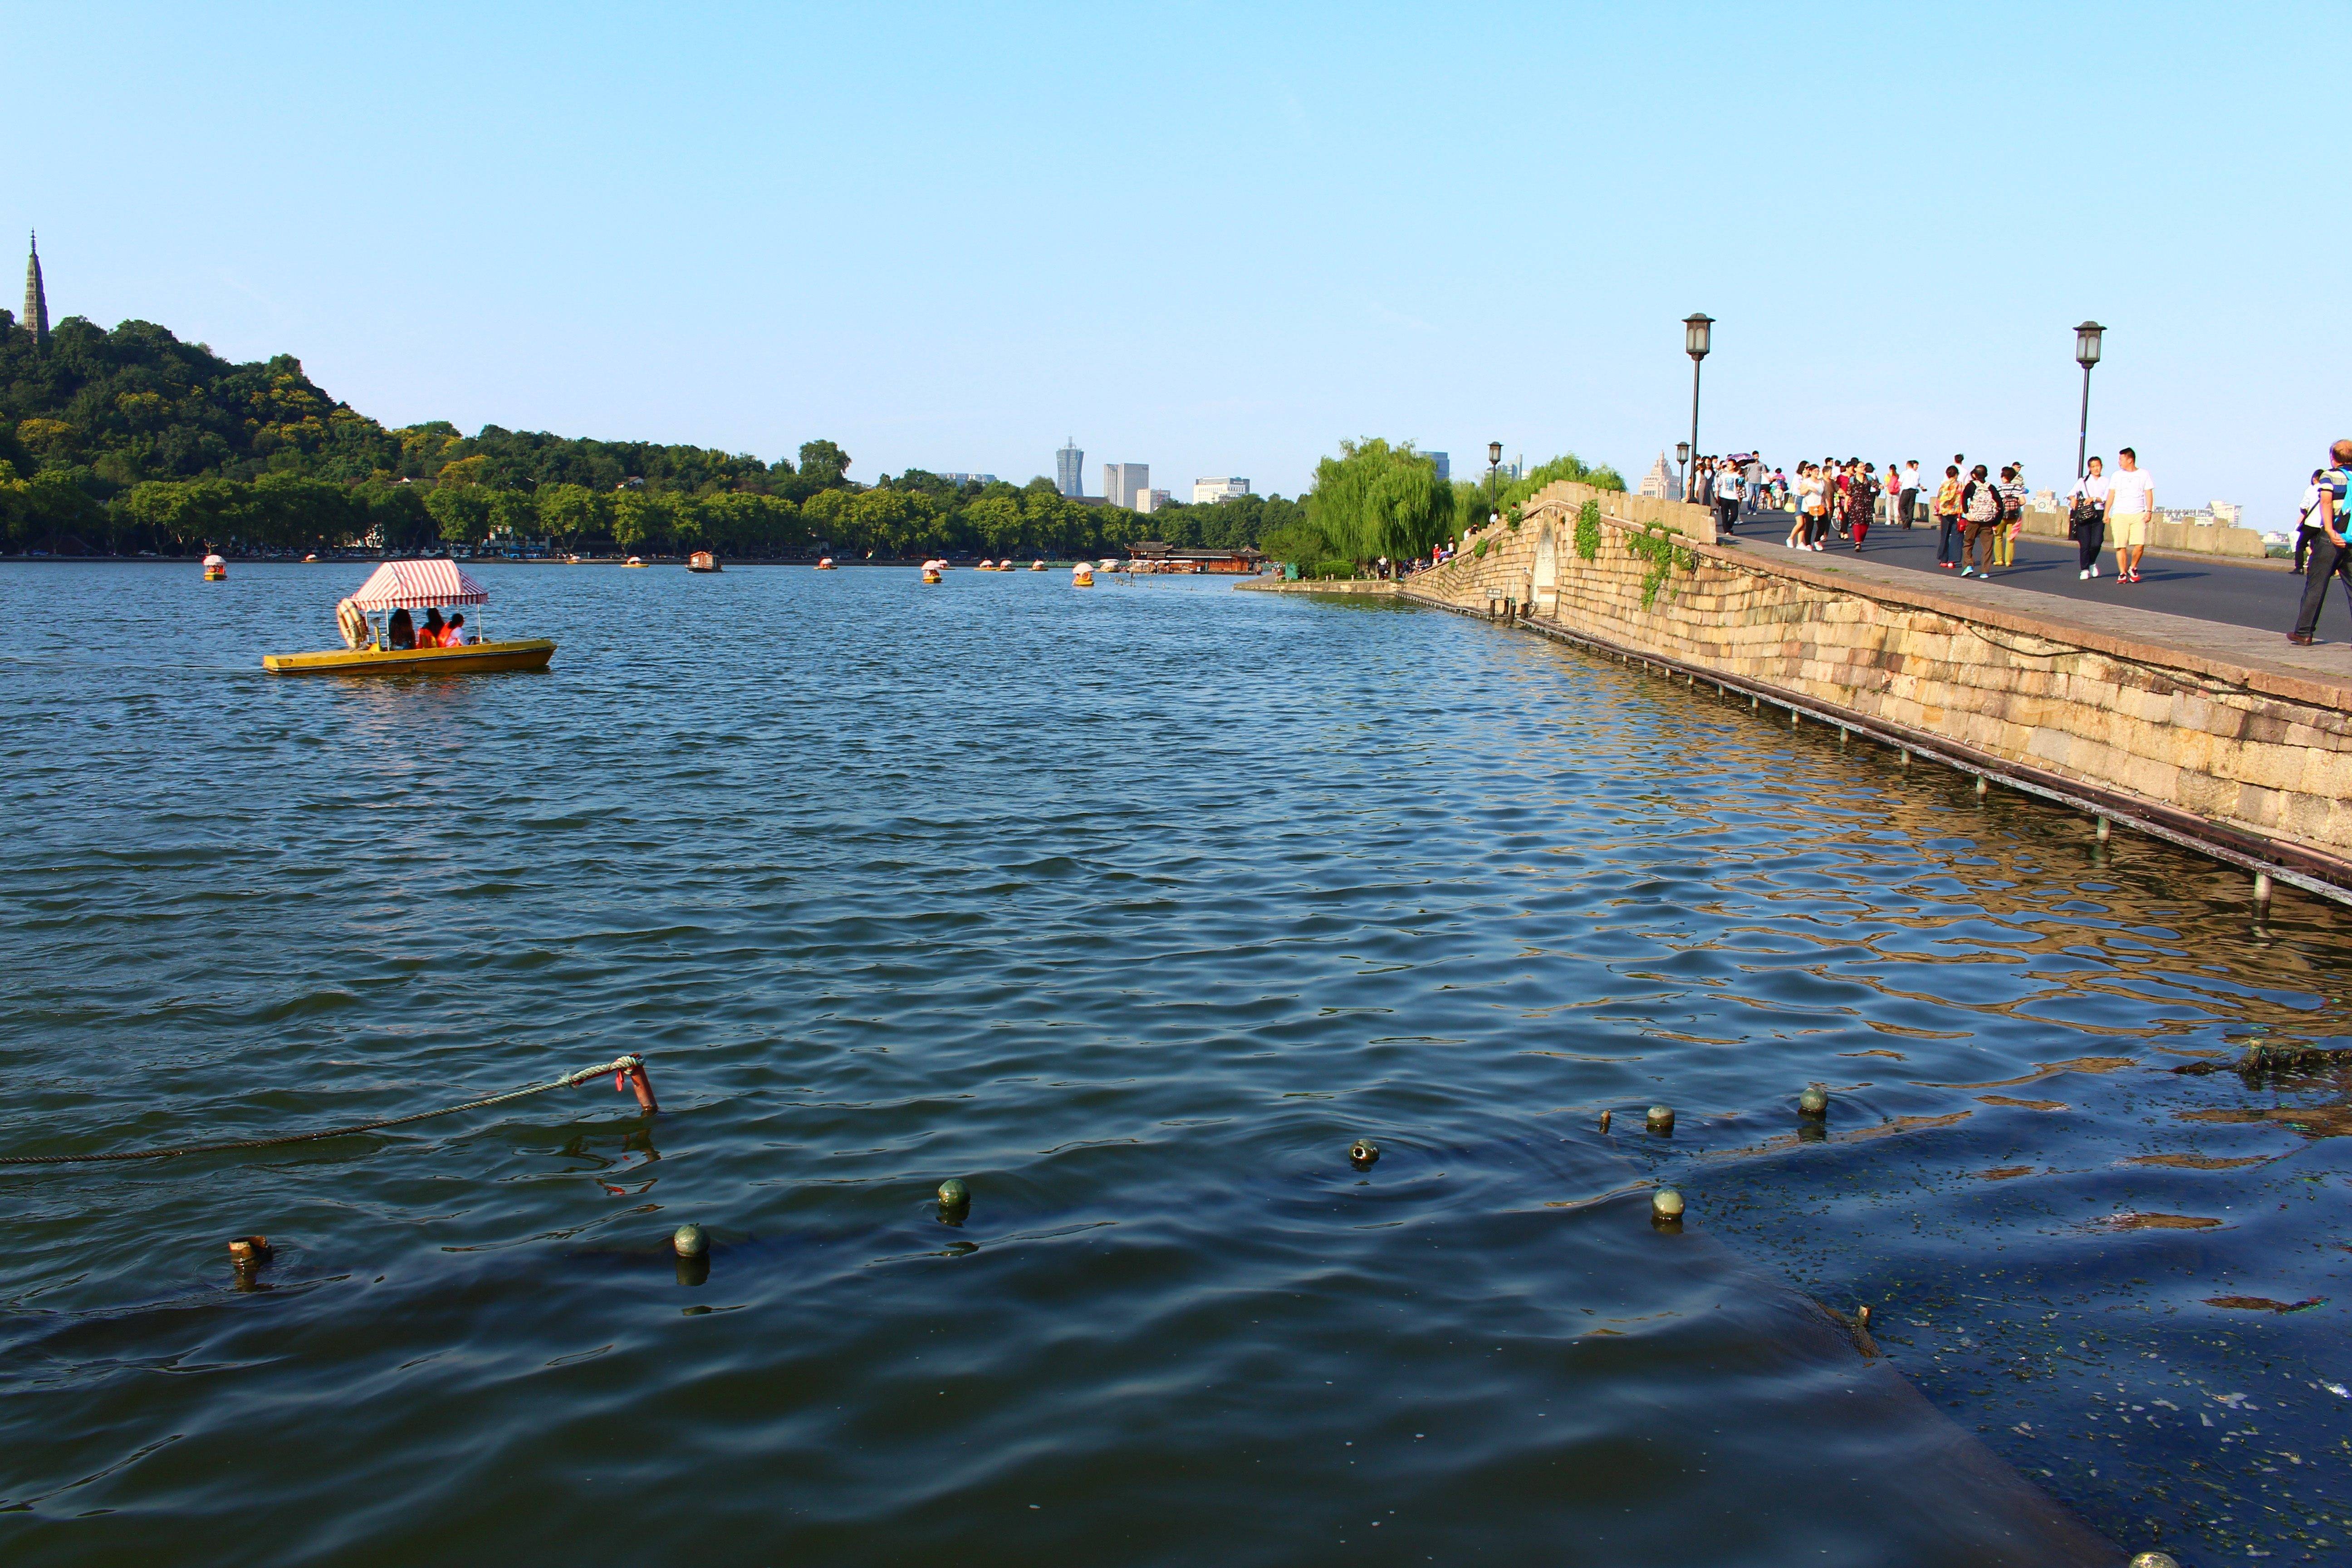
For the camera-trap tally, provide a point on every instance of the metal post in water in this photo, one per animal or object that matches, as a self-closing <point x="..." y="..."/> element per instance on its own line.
<point x="2104" y="828"/>
<point x="2262" y="889"/>
<point x="1981" y="786"/>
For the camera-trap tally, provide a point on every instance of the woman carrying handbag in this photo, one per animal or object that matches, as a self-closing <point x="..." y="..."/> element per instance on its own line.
<point x="2087" y="519"/>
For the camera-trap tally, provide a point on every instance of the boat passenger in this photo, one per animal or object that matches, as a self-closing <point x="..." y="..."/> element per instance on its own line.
<point x="454" y="633"/>
<point x="428" y="634"/>
<point x="401" y="632"/>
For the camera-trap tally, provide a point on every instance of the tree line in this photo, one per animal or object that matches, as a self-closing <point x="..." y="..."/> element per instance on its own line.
<point x="131" y="439"/>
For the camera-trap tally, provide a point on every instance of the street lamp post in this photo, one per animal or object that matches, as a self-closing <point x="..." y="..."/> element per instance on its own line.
<point x="1681" y="468"/>
<point x="1695" y="331"/>
<point x="2086" y="355"/>
<point x="1493" y="477"/>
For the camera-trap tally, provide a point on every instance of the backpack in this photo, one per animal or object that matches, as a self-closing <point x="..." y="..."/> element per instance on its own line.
<point x="2012" y="507"/>
<point x="1983" y="503"/>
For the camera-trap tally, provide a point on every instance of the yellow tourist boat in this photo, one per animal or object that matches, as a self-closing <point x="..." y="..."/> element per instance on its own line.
<point x="215" y="569"/>
<point x="375" y="625"/>
<point x="826" y="564"/>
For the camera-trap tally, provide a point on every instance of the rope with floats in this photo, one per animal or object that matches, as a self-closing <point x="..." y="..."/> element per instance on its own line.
<point x="628" y="1073"/>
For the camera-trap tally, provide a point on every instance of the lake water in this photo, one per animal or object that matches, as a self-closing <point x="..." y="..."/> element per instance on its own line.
<point x="1132" y="908"/>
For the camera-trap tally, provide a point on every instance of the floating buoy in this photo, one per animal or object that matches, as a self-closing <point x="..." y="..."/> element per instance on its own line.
<point x="1665" y="1206"/>
<point x="250" y="1251"/>
<point x="2155" y="1560"/>
<point x="954" y="1194"/>
<point x="1662" y="1119"/>
<point x="1816" y="1100"/>
<point x="690" y="1241"/>
<point x="1363" y="1152"/>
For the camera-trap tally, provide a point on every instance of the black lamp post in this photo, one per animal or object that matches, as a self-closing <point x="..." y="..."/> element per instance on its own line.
<point x="1681" y="467"/>
<point x="2086" y="355"/>
<point x="1695" y="329"/>
<point x="1494" y="477"/>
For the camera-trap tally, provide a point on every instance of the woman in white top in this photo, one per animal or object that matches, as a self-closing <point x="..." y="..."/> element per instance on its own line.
<point x="1808" y="490"/>
<point x="2088" y="523"/>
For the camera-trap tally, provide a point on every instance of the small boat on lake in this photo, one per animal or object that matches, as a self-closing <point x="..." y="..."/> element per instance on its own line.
<point x="376" y="618"/>
<point x="702" y="561"/>
<point x="1082" y="575"/>
<point x="826" y="565"/>
<point x="932" y="570"/>
<point x="215" y="569"/>
<point x="632" y="560"/>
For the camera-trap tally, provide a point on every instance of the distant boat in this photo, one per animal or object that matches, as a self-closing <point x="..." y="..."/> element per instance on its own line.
<point x="215" y="569"/>
<point x="632" y="560"/>
<point x="702" y="561"/>
<point x="1037" y="566"/>
<point x="826" y="565"/>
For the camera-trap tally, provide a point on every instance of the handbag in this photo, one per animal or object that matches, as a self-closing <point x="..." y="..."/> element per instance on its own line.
<point x="2082" y="515"/>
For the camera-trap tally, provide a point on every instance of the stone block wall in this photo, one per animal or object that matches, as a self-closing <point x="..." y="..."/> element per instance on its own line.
<point x="2262" y="752"/>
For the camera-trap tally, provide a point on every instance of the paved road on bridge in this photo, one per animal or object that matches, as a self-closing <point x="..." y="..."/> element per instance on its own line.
<point x="2262" y="598"/>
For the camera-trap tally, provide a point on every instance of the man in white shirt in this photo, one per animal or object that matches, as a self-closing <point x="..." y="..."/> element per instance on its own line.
<point x="2131" y="501"/>
<point x="1910" y="487"/>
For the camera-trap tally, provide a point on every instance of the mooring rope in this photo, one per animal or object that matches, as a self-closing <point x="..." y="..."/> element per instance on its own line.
<point x="618" y="1067"/>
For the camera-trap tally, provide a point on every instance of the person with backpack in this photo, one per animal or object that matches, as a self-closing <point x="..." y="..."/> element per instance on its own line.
<point x="2087" y="519"/>
<point x="2330" y="555"/>
<point x="2012" y="491"/>
<point x="1980" y="511"/>
<point x="1947" y="520"/>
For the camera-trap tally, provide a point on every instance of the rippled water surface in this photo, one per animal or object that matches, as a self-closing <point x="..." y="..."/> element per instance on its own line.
<point x="1132" y="908"/>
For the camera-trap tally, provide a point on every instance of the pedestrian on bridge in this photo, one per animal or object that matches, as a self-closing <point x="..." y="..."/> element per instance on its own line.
<point x="1947" y="520"/>
<point x="2131" y="501"/>
<point x="2086" y="518"/>
<point x="2330" y="556"/>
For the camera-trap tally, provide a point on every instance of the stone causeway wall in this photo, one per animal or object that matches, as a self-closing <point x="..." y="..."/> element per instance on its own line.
<point x="2261" y="758"/>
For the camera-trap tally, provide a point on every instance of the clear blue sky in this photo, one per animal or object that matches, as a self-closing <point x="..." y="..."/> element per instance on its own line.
<point x="1219" y="239"/>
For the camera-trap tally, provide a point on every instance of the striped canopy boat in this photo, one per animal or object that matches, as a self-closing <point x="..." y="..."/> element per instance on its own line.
<point x="365" y="618"/>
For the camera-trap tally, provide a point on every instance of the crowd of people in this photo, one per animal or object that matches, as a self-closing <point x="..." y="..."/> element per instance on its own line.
<point x="402" y="631"/>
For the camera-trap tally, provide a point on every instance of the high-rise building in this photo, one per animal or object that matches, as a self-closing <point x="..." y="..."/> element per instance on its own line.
<point x="35" y="319"/>
<point x="1070" y="470"/>
<point x="1151" y="501"/>
<point x="1445" y="467"/>
<point x="967" y="478"/>
<point x="1123" y="482"/>
<point x="1661" y="480"/>
<point x="1206" y="491"/>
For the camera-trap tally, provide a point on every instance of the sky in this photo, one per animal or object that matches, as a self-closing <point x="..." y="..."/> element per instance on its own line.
<point x="1221" y="238"/>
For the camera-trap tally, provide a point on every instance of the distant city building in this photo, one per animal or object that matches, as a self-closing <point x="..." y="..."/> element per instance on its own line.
<point x="1445" y="467"/>
<point x="1206" y="491"/>
<point x="1150" y="500"/>
<point x="1123" y="482"/>
<point x="1070" y="470"/>
<point x="970" y="478"/>
<point x="1661" y="481"/>
<point x="35" y="319"/>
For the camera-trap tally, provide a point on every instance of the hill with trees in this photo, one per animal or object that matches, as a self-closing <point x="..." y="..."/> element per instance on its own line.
<point x="115" y="442"/>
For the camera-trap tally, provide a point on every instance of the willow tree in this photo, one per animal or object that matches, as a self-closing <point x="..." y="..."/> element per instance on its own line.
<point x="1375" y="500"/>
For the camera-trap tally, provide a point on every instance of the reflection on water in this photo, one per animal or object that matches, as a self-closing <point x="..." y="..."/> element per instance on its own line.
<point x="1136" y="911"/>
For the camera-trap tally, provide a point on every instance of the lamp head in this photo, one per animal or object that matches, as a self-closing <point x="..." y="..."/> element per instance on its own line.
<point x="1682" y="451"/>
<point x="1494" y="453"/>
<point x="1695" y="331"/>
<point x="2086" y="343"/>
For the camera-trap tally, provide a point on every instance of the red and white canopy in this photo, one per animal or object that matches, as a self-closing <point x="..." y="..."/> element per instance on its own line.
<point x="418" y="586"/>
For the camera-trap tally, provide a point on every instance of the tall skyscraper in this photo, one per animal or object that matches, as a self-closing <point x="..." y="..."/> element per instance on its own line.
<point x="37" y="301"/>
<point x="1445" y="466"/>
<point x="1070" y="470"/>
<point x="1123" y="482"/>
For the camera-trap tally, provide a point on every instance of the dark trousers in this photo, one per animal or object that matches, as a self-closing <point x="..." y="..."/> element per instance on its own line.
<point x="2090" y="538"/>
<point x="1908" y="507"/>
<point x="1947" y="540"/>
<point x="1727" y="513"/>
<point x="2328" y="558"/>
<point x="2304" y="537"/>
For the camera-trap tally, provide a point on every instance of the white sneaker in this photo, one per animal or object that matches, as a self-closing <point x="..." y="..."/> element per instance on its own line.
<point x="2084" y="575"/>
<point x="2095" y="570"/>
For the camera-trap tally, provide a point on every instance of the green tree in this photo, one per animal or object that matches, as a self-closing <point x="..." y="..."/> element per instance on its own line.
<point x="823" y="463"/>
<point x="462" y="512"/>
<point x="568" y="511"/>
<point x="1377" y="499"/>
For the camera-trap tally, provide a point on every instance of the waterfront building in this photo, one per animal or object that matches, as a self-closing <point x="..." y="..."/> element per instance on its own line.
<point x="1445" y="467"/>
<point x="1070" y="470"/>
<point x="1206" y="491"/>
<point x="1123" y="482"/>
<point x="35" y="319"/>
<point x="1661" y="481"/>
